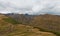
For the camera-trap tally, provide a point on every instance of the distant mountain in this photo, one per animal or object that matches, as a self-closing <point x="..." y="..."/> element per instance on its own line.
<point x="10" y="27"/>
<point x="22" y="18"/>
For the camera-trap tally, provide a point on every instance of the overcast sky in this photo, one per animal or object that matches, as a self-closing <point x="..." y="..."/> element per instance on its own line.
<point x="30" y="6"/>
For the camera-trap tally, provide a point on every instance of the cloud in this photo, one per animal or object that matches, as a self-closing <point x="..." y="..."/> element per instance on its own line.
<point x="30" y="6"/>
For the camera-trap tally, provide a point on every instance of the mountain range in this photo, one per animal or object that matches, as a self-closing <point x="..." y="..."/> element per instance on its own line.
<point x="46" y="23"/>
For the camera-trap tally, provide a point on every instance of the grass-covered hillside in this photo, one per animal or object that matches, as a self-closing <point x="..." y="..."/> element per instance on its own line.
<point x="47" y="22"/>
<point x="10" y="27"/>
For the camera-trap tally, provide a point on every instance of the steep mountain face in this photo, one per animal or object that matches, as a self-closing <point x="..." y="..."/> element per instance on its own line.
<point x="22" y="18"/>
<point x="10" y="27"/>
<point x="47" y="22"/>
